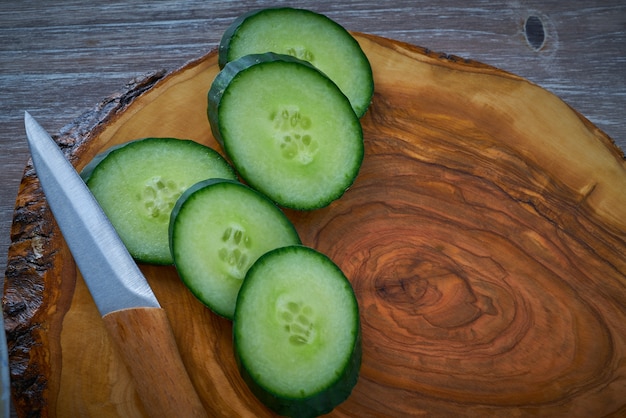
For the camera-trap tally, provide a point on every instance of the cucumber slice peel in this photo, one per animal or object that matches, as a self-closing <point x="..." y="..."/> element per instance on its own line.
<point x="137" y="184"/>
<point x="296" y="329"/>
<point x="287" y="129"/>
<point x="218" y="229"/>
<point x="306" y="35"/>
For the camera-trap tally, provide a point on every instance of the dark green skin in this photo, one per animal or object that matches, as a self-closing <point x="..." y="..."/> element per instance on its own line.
<point x="221" y="84"/>
<point x="228" y="73"/>
<point x="88" y="170"/>
<point x="320" y="404"/>
<point x="193" y="189"/>
<point x="224" y="46"/>
<point x="231" y="33"/>
<point x="91" y="166"/>
<point x="98" y="165"/>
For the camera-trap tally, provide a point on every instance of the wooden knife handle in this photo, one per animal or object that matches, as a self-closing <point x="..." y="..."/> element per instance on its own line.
<point x="146" y="342"/>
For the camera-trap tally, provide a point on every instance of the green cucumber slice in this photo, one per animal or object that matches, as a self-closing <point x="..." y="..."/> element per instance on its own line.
<point x="306" y="35"/>
<point x="287" y="129"/>
<point x="296" y="332"/>
<point x="218" y="229"/>
<point x="137" y="184"/>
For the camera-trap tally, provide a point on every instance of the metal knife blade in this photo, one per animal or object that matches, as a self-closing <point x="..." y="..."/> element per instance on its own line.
<point x="112" y="276"/>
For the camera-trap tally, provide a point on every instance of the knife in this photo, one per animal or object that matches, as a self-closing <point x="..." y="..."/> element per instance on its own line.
<point x="135" y="321"/>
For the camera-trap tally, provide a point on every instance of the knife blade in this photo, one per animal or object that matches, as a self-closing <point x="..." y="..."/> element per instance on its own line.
<point x="131" y="312"/>
<point x="112" y="276"/>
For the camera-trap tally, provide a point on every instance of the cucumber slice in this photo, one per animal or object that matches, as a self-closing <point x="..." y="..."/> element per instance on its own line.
<point x="306" y="35"/>
<point x="138" y="183"/>
<point x="218" y="229"/>
<point x="287" y="129"/>
<point x="296" y="332"/>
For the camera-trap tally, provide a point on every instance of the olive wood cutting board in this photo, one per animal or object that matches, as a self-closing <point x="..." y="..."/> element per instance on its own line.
<point x="485" y="238"/>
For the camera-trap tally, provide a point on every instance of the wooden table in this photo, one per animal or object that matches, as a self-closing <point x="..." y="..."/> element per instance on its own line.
<point x="59" y="59"/>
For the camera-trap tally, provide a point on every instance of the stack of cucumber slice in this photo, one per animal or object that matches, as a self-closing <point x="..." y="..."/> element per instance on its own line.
<point x="219" y="228"/>
<point x="286" y="109"/>
<point x="287" y="128"/>
<point x="287" y="103"/>
<point x="306" y="35"/>
<point x="137" y="184"/>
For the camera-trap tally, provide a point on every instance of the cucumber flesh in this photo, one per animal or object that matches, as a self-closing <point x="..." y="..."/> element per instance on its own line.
<point x="296" y="332"/>
<point x="138" y="183"/>
<point x="287" y="129"/>
<point x="218" y="229"/>
<point x="306" y="35"/>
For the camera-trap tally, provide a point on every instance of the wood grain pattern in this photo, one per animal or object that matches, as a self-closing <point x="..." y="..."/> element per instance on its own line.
<point x="484" y="238"/>
<point x="147" y="346"/>
<point x="60" y="57"/>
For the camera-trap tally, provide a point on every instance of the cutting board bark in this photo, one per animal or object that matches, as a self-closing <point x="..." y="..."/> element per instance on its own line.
<point x="485" y="238"/>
